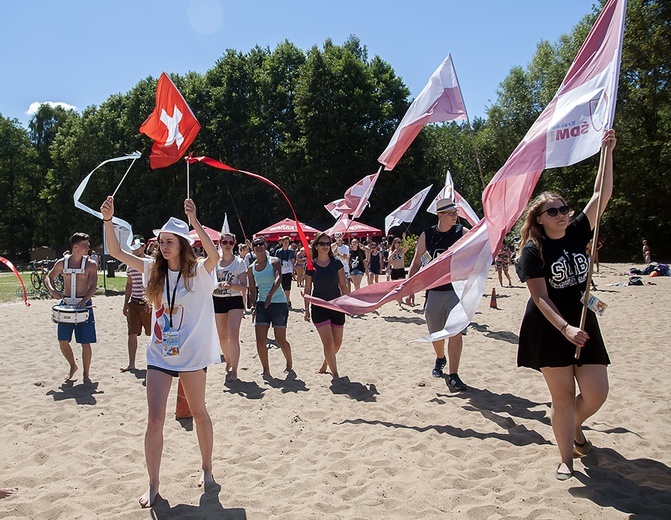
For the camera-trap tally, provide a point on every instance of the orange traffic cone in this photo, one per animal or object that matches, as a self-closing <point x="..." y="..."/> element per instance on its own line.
<point x="492" y="301"/>
<point x="182" y="410"/>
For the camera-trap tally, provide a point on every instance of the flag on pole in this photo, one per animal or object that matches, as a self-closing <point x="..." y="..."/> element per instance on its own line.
<point x="448" y="192"/>
<point x="406" y="212"/>
<point x="569" y="130"/>
<point x="171" y="125"/>
<point x="439" y="101"/>
<point x="356" y="197"/>
<point x="335" y="207"/>
<point x="225" y="229"/>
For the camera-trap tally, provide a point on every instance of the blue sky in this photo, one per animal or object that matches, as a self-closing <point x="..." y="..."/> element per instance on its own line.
<point x="80" y="52"/>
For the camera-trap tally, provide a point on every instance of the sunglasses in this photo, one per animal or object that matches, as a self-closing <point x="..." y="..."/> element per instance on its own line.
<point x="553" y="212"/>
<point x="227" y="242"/>
<point x="326" y="244"/>
<point x="258" y="244"/>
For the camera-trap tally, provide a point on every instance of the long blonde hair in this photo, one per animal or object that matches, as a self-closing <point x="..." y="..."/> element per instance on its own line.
<point x="531" y="230"/>
<point x="159" y="271"/>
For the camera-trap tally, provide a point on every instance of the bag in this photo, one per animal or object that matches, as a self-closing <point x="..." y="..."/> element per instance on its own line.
<point x="635" y="280"/>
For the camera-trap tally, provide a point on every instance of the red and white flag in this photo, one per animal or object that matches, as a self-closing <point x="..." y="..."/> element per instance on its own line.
<point x="448" y="192"/>
<point x="569" y="130"/>
<point x="171" y="125"/>
<point x="439" y="101"/>
<point x="336" y="207"/>
<point x="406" y="212"/>
<point x="356" y="197"/>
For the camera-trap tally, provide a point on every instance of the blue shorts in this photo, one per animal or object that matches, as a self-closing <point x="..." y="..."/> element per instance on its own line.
<point x="356" y="272"/>
<point x="277" y="315"/>
<point x="84" y="332"/>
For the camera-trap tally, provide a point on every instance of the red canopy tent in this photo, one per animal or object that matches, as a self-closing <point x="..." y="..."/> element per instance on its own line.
<point x="352" y="228"/>
<point x="287" y="227"/>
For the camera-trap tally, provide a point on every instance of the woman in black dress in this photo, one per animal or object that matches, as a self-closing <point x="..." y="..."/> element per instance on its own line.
<point x="326" y="280"/>
<point x="554" y="266"/>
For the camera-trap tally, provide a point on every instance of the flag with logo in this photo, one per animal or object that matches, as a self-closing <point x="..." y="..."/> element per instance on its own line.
<point x="448" y="192"/>
<point x="569" y="130"/>
<point x="171" y="125"/>
<point x="356" y="197"/>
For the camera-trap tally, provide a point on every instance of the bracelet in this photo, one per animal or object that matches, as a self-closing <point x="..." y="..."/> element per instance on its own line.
<point x="106" y="219"/>
<point x="563" y="328"/>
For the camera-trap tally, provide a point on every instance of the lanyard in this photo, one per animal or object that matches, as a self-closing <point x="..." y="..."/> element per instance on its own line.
<point x="171" y="304"/>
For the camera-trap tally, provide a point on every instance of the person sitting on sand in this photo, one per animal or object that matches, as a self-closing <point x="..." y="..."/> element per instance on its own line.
<point x="184" y="335"/>
<point x="555" y="268"/>
<point x="81" y="273"/>
<point x="136" y="308"/>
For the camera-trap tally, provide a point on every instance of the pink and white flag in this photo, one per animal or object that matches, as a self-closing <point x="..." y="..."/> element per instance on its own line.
<point x="439" y="101"/>
<point x="336" y="207"/>
<point x="406" y="212"/>
<point x="225" y="228"/>
<point x="448" y="192"/>
<point x="569" y="130"/>
<point x="356" y="197"/>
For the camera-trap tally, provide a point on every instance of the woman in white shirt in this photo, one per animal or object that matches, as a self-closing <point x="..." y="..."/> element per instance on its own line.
<point x="183" y="341"/>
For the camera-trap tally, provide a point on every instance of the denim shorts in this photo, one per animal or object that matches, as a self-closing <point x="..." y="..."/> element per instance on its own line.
<point x="276" y="314"/>
<point x="84" y="332"/>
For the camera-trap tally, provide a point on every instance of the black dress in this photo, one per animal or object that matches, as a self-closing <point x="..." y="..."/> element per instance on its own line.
<point x="564" y="267"/>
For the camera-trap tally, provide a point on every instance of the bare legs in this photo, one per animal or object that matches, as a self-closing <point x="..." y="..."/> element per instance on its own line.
<point x="132" y="351"/>
<point x="158" y="388"/>
<point x="455" y="345"/>
<point x="228" y="329"/>
<point x="500" y="272"/>
<point x="261" y="332"/>
<point x="356" y="280"/>
<point x="568" y="411"/>
<point x="69" y="356"/>
<point x="332" y="341"/>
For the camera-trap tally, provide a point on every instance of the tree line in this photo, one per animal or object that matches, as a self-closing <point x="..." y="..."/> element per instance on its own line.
<point x="314" y="122"/>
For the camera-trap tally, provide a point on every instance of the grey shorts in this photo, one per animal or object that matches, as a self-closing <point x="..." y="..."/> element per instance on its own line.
<point x="437" y="308"/>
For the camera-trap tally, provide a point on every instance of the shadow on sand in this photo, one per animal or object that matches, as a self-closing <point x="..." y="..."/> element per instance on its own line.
<point x="82" y="393"/>
<point x="209" y="508"/>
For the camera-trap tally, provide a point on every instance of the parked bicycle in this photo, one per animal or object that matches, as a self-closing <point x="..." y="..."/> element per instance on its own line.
<point x="40" y="270"/>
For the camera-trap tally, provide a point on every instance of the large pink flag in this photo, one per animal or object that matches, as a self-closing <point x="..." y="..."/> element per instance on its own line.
<point x="569" y="130"/>
<point x="356" y="197"/>
<point x="439" y="101"/>
<point x="406" y="212"/>
<point x="335" y="207"/>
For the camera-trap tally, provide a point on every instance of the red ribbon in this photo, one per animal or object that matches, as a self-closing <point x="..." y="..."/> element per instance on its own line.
<point x="16" y="272"/>
<point x="216" y="164"/>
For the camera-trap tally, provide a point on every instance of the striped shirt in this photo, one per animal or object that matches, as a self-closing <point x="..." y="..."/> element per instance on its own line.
<point x="137" y="288"/>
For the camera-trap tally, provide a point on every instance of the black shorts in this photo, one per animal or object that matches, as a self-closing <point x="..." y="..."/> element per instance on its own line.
<point x="172" y="373"/>
<point x="397" y="274"/>
<point x="323" y="315"/>
<point x="223" y="304"/>
<point x="286" y="281"/>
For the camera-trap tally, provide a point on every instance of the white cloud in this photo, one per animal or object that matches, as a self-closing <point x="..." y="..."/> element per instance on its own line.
<point x="34" y="107"/>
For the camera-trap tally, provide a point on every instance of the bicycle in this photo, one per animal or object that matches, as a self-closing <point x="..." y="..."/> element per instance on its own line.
<point x="40" y="270"/>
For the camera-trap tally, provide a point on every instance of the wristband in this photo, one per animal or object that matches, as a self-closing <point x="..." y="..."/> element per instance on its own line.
<point x="106" y="219"/>
<point x="563" y="328"/>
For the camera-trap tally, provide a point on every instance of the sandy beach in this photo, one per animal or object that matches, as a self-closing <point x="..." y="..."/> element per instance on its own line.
<point x="389" y="441"/>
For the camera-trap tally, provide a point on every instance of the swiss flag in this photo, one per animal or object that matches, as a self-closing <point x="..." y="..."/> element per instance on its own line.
<point x="171" y="125"/>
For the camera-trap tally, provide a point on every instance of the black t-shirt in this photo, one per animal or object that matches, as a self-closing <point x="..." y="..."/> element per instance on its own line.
<point x="325" y="279"/>
<point x="356" y="259"/>
<point x="564" y="264"/>
<point x="438" y="242"/>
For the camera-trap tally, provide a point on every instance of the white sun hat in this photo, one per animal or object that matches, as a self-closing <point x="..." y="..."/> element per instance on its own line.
<point x="176" y="227"/>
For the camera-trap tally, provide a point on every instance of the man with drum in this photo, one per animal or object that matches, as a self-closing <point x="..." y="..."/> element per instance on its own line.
<point x="75" y="311"/>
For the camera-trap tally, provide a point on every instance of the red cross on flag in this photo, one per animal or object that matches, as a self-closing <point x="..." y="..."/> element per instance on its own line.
<point x="171" y="125"/>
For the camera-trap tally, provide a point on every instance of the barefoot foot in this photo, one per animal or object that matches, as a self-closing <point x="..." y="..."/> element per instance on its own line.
<point x="129" y="368"/>
<point x="69" y="378"/>
<point x="206" y="480"/>
<point x="5" y="492"/>
<point x="147" y="500"/>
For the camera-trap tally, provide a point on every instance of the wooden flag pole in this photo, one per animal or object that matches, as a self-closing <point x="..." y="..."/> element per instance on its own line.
<point x="188" y="191"/>
<point x="595" y="239"/>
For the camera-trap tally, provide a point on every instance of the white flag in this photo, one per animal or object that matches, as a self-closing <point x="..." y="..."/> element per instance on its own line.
<point x="406" y="212"/>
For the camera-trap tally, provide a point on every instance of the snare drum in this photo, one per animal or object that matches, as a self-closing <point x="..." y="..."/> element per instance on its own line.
<point x="69" y="314"/>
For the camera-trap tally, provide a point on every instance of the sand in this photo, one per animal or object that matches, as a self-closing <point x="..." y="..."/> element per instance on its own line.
<point x="389" y="442"/>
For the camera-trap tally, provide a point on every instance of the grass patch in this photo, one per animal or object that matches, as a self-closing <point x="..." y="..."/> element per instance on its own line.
<point x="10" y="288"/>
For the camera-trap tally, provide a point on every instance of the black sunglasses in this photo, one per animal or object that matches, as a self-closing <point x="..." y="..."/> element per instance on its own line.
<point x="258" y="244"/>
<point x="553" y="212"/>
<point x="323" y="243"/>
<point x="227" y="242"/>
